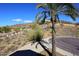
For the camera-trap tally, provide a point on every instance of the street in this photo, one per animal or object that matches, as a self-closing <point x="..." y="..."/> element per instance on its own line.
<point x="69" y="44"/>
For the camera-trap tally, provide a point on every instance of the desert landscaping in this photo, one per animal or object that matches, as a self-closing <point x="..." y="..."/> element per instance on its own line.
<point x="13" y="40"/>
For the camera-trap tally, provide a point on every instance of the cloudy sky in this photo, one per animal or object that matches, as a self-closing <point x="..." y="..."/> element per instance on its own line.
<point x="11" y="14"/>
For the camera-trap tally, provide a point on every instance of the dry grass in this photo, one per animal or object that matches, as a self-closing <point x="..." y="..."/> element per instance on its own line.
<point x="10" y="45"/>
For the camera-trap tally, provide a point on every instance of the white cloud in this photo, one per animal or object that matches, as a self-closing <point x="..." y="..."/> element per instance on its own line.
<point x="21" y="20"/>
<point x="17" y="20"/>
<point x="28" y="21"/>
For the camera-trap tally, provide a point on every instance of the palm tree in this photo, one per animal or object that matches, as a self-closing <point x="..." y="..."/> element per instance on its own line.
<point x="52" y="11"/>
<point x="38" y="36"/>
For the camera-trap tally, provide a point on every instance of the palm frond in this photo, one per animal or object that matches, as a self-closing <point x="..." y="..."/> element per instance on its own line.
<point x="41" y="16"/>
<point x="43" y="19"/>
<point x="38" y="17"/>
<point x="73" y="17"/>
<point x="69" y="5"/>
<point x="58" y="20"/>
<point x="72" y="13"/>
<point x="41" y="6"/>
<point x="49" y="5"/>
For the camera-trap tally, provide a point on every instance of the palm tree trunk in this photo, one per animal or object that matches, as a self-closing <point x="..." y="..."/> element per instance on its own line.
<point x="53" y="41"/>
<point x="50" y="54"/>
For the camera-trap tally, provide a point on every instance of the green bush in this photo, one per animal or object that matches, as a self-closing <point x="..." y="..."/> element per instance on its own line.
<point x="36" y="33"/>
<point x="5" y="29"/>
<point x="1" y="30"/>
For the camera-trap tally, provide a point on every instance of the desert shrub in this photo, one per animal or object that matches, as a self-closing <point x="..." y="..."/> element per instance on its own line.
<point x="35" y="33"/>
<point x="5" y="29"/>
<point x="1" y="30"/>
<point x="17" y="29"/>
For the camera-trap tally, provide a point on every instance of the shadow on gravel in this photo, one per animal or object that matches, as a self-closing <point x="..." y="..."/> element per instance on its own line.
<point x="26" y="53"/>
